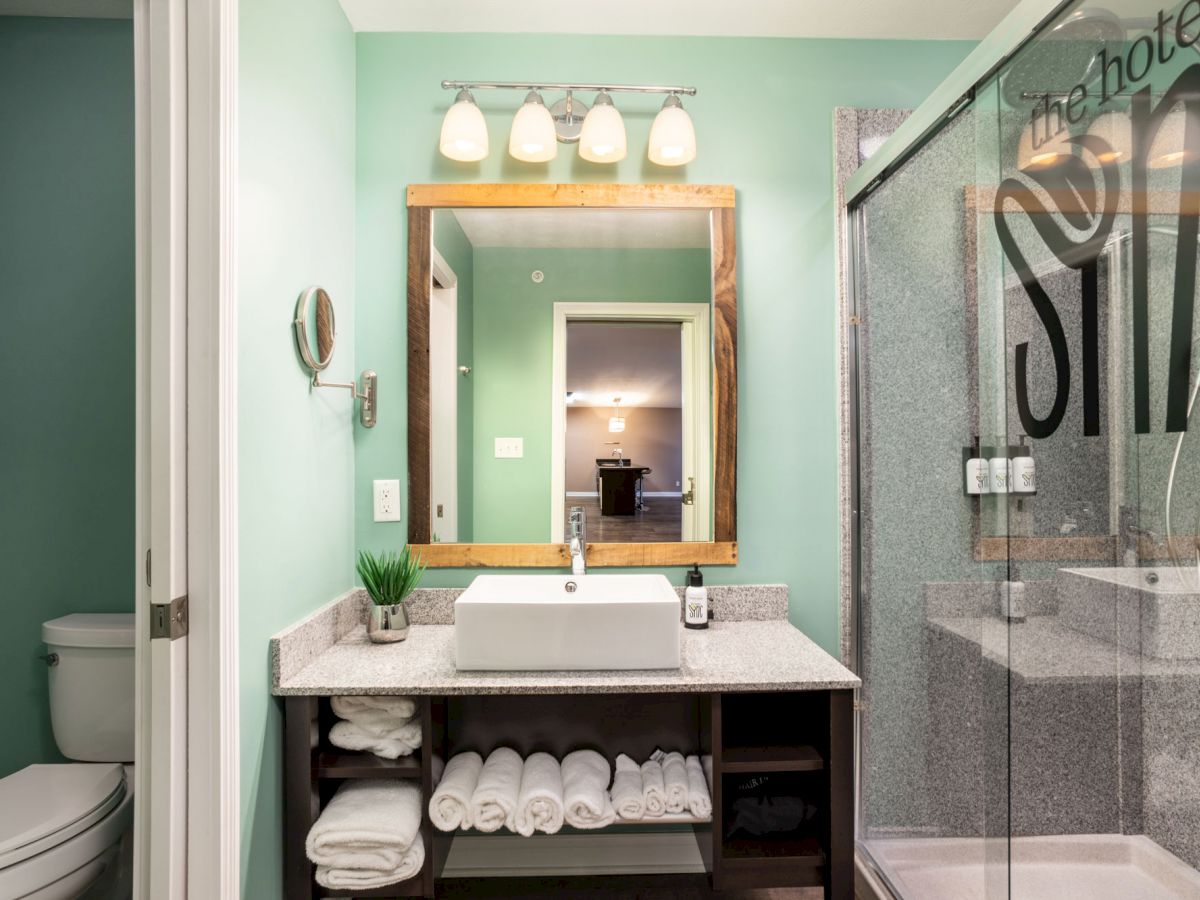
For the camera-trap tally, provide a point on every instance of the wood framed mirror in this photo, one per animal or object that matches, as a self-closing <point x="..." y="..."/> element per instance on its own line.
<point x="572" y="345"/>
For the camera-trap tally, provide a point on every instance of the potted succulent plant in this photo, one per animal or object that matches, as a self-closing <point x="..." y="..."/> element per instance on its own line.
<point x="389" y="578"/>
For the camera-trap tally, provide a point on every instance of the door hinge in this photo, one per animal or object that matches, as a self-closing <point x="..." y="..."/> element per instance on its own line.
<point x="855" y="320"/>
<point x="689" y="496"/>
<point x="169" y="620"/>
<point x="147" y="567"/>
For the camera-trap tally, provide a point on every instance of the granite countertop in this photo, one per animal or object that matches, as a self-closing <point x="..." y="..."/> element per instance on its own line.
<point x="328" y="654"/>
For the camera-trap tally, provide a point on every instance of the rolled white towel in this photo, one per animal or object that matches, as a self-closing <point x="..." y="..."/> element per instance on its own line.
<point x="699" y="799"/>
<point x="494" y="802"/>
<point x="585" y="790"/>
<point x="400" y="742"/>
<point x="369" y="825"/>
<point x="365" y="879"/>
<point x="654" y="794"/>
<point x="627" y="789"/>
<point x="450" y="805"/>
<point x="675" y="782"/>
<point x="540" y="802"/>
<point x="398" y="707"/>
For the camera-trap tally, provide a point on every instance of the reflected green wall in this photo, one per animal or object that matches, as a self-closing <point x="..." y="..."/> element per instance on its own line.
<point x="763" y="118"/>
<point x="295" y="456"/>
<point x="513" y="361"/>
<point x="67" y="488"/>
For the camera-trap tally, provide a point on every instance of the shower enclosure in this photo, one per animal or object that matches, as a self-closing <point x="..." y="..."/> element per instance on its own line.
<point x="1025" y="564"/>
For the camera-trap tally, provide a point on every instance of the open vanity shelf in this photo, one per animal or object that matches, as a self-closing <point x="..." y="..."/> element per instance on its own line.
<point x="802" y="739"/>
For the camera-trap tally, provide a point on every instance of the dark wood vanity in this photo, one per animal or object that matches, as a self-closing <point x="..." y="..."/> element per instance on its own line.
<point x="805" y="737"/>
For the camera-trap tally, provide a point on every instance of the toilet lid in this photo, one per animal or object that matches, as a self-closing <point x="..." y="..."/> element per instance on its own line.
<point x="42" y="806"/>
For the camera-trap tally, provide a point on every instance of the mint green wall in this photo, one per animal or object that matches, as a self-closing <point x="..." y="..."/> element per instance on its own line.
<point x="66" y="348"/>
<point x="513" y="347"/>
<point x="764" y="123"/>
<point x="451" y="241"/>
<point x="296" y="459"/>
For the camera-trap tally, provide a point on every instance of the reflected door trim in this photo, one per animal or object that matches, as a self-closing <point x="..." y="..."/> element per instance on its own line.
<point x="697" y="462"/>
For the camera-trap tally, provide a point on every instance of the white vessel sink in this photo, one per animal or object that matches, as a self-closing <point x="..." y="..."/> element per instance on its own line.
<point x="564" y="622"/>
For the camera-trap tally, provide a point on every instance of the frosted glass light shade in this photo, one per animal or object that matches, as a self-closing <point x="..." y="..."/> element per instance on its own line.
<point x="602" y="139"/>
<point x="464" y="133"/>
<point x="672" y="136"/>
<point x="616" y="423"/>
<point x="532" y="138"/>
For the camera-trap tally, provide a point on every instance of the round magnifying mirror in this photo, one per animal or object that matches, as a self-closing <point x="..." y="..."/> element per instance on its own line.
<point x="315" y="328"/>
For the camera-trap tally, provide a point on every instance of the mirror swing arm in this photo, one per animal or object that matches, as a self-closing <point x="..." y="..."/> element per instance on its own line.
<point x="368" y="396"/>
<point x="722" y="549"/>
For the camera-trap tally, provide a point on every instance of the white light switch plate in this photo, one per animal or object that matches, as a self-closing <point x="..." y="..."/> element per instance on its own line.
<point x="387" y="500"/>
<point x="510" y="448"/>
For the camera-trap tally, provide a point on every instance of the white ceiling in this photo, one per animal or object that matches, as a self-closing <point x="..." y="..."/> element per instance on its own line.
<point x="639" y="363"/>
<point x="934" y="19"/>
<point x="75" y="9"/>
<point x="669" y="229"/>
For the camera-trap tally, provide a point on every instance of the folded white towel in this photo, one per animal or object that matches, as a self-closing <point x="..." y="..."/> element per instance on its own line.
<point x="365" y="879"/>
<point x="372" y="825"/>
<point x="675" y="782"/>
<point x="699" y="799"/>
<point x="377" y="723"/>
<point x="450" y="805"/>
<point x="585" y="790"/>
<point x="654" y="794"/>
<point x="494" y="802"/>
<point x="540" y="802"/>
<point x="401" y="741"/>
<point x="349" y="707"/>
<point x="627" y="789"/>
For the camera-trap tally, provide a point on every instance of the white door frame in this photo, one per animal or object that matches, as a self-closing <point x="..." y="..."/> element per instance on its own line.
<point x="187" y="809"/>
<point x="696" y="317"/>
<point x="443" y="485"/>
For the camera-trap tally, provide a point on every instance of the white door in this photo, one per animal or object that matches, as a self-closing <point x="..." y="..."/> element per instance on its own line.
<point x="443" y="389"/>
<point x="687" y="416"/>
<point x="161" y="220"/>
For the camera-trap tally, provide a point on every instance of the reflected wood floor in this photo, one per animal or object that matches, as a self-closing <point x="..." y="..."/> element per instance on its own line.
<point x="611" y="887"/>
<point x="660" y="522"/>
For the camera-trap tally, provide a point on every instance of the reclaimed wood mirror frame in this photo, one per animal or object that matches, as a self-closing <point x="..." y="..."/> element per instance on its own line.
<point x="719" y="200"/>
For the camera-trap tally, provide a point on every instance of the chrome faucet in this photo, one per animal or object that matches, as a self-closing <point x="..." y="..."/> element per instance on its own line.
<point x="578" y="541"/>
<point x="618" y="453"/>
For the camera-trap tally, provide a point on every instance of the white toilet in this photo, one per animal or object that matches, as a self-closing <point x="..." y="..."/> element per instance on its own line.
<point x="61" y="826"/>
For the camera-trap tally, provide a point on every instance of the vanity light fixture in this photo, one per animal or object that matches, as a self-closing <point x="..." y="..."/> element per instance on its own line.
<point x="616" y="422"/>
<point x="672" y="136"/>
<point x="464" y="133"/>
<point x="599" y="131"/>
<point x="532" y="138"/>
<point x="603" y="137"/>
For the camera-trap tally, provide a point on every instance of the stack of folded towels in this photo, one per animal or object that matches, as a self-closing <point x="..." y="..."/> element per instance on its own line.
<point x="386" y="726"/>
<point x="542" y="794"/>
<point x="369" y="835"/>
<point x="665" y="783"/>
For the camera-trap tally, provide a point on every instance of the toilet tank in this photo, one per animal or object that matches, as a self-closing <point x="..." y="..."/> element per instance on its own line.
<point x="92" y="685"/>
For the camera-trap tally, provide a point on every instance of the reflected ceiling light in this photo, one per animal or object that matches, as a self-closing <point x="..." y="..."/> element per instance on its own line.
<point x="1114" y="128"/>
<point x="603" y="137"/>
<point x="532" y="138"/>
<point x="672" y="136"/>
<point x="572" y="396"/>
<point x="1168" y="147"/>
<point x="1049" y="152"/>
<point x="616" y="422"/>
<point x="464" y="133"/>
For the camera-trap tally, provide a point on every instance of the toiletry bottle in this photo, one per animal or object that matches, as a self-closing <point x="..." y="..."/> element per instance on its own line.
<point x="695" y="601"/>
<point x="1024" y="470"/>
<point x="999" y="470"/>
<point x="977" y="478"/>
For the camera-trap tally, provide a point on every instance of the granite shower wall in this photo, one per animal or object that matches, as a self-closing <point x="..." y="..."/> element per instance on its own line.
<point x="66" y="347"/>
<point x="787" y="524"/>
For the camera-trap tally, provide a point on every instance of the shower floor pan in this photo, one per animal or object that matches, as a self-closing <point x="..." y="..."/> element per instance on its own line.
<point x="1070" y="867"/>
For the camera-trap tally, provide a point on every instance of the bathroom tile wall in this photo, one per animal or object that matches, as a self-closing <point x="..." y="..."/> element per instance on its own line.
<point x="296" y="460"/>
<point x="764" y="123"/>
<point x="66" y="347"/>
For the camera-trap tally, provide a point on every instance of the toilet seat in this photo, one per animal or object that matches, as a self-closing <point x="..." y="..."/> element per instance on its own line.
<point x="53" y="844"/>
<point x="43" y="806"/>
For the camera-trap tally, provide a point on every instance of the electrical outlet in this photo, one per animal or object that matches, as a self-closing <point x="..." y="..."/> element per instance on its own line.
<point x="510" y="448"/>
<point x="387" y="500"/>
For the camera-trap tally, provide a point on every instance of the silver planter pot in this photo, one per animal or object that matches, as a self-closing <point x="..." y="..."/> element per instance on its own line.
<point x="387" y="624"/>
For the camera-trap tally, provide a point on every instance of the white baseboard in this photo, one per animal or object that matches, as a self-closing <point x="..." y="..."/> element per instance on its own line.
<point x="654" y="853"/>
<point x="582" y="494"/>
<point x="674" y="494"/>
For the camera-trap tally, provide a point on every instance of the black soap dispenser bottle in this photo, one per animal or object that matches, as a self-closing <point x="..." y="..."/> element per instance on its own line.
<point x="695" y="600"/>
